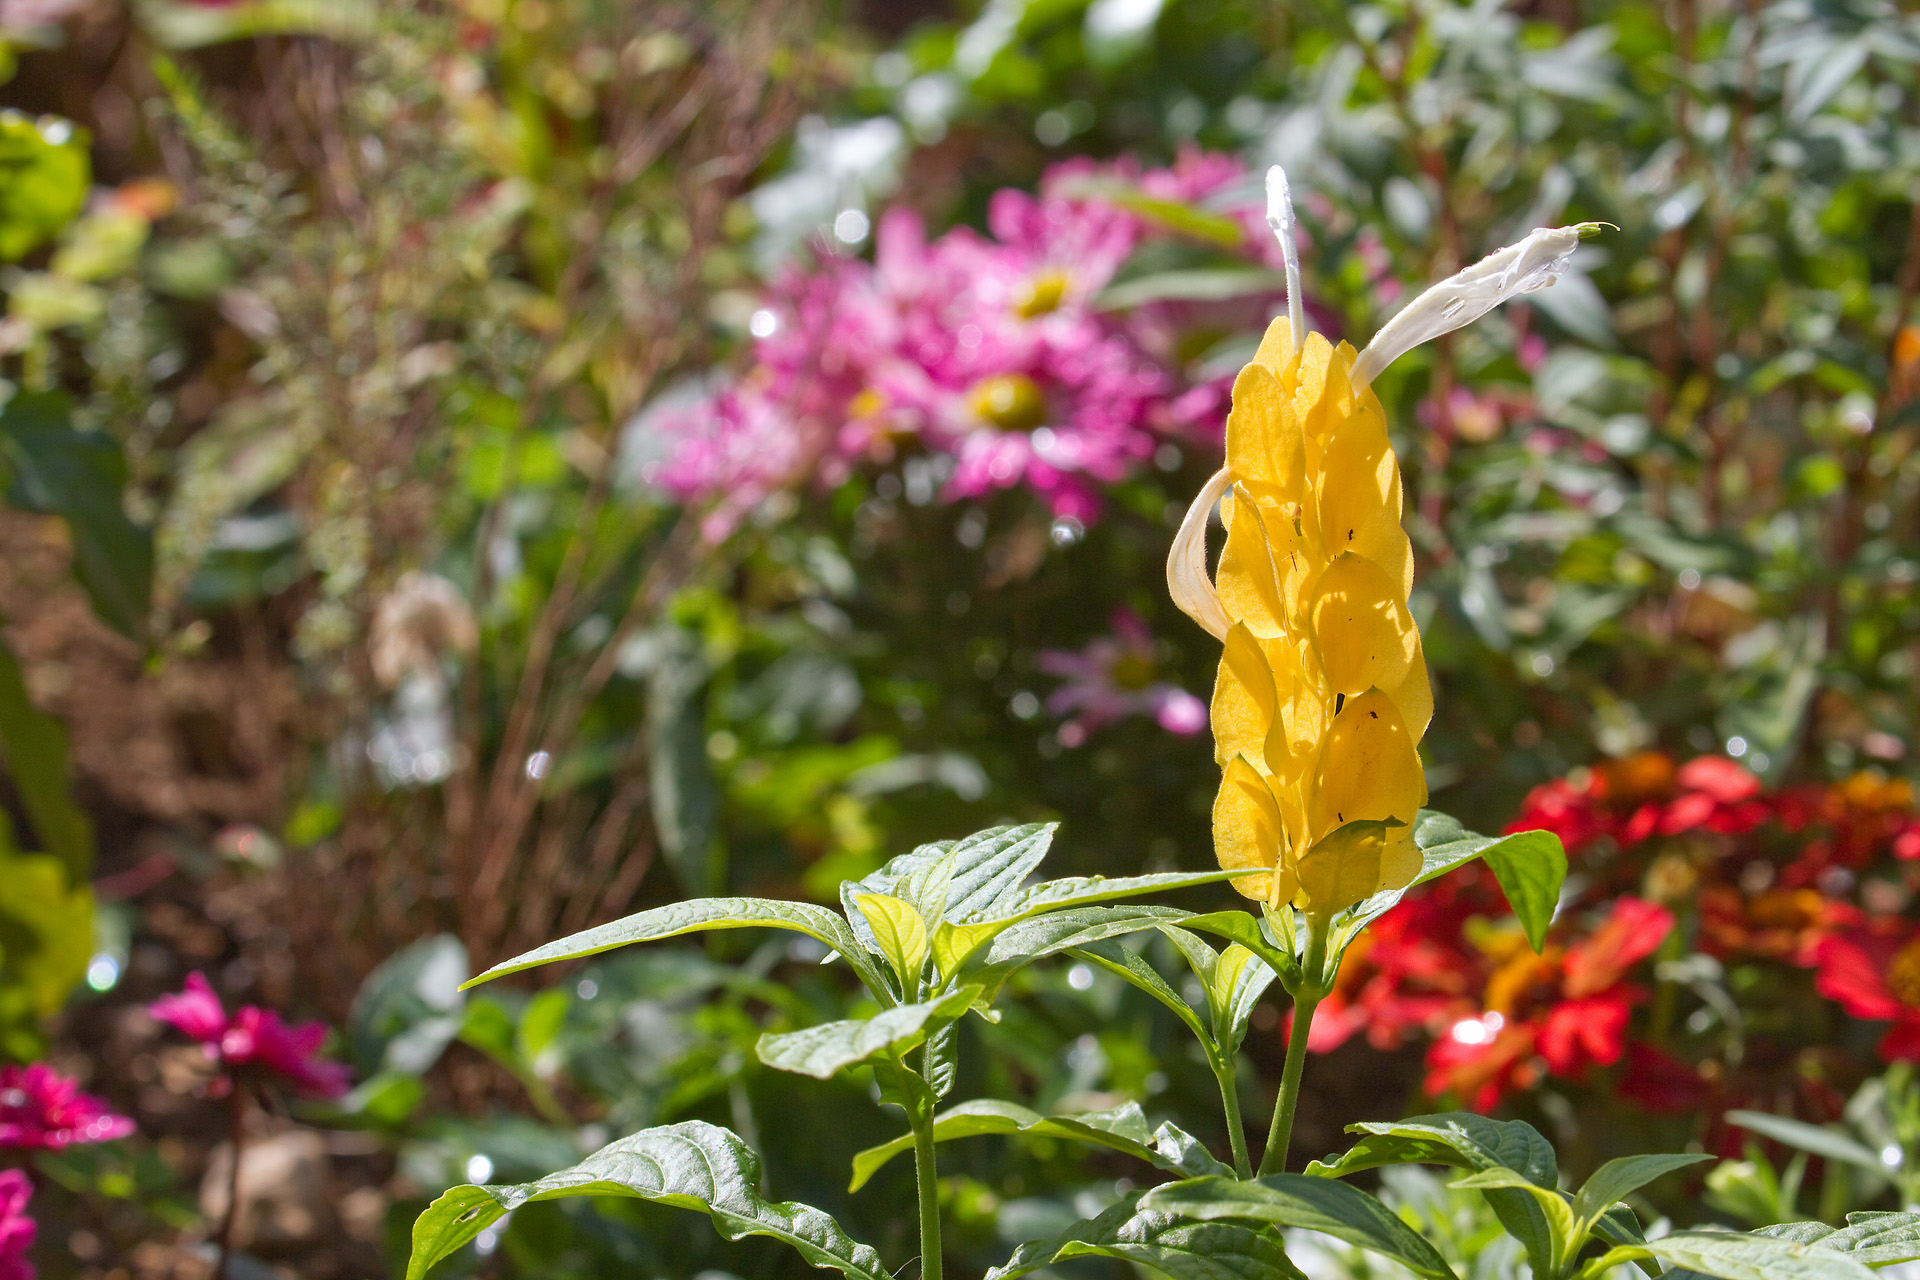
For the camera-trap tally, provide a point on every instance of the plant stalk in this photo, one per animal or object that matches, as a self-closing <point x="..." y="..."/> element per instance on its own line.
<point x="1313" y="987"/>
<point x="927" y="1176"/>
<point x="236" y="1138"/>
<point x="1223" y="1071"/>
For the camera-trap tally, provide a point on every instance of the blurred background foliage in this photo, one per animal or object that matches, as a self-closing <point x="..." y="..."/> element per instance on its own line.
<point x="346" y="621"/>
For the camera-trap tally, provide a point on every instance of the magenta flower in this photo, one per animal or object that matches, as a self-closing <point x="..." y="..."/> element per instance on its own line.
<point x="985" y="351"/>
<point x="1113" y="678"/>
<point x="253" y="1039"/>
<point x="40" y="1108"/>
<point x="17" y="1230"/>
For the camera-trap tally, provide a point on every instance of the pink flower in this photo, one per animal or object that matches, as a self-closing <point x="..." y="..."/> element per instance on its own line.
<point x="254" y="1038"/>
<point x="986" y="352"/>
<point x="39" y="1107"/>
<point x="1111" y="679"/>
<point x="17" y="1230"/>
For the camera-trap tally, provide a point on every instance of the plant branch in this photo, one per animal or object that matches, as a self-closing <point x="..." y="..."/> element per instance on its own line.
<point x="1314" y="986"/>
<point x="1224" y="1073"/>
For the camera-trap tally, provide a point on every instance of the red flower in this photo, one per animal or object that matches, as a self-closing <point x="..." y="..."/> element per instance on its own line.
<point x="1876" y="976"/>
<point x="1559" y="1013"/>
<point x="17" y="1230"/>
<point x="1782" y="924"/>
<point x="41" y="1108"/>
<point x="254" y="1038"/>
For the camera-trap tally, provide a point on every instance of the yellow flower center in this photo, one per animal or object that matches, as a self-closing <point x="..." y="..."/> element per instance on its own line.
<point x="1009" y="401"/>
<point x="1043" y="294"/>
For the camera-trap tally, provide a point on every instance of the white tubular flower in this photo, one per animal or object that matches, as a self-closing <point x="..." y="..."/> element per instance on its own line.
<point x="1459" y="300"/>
<point x="1188" y="581"/>
<point x="1280" y="218"/>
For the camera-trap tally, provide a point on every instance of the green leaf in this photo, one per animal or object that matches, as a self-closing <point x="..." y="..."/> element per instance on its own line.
<point x="986" y="870"/>
<point x="1530" y="865"/>
<point x="1123" y="1129"/>
<point x="955" y="944"/>
<point x="79" y="476"/>
<point x="44" y="176"/>
<point x="1296" y="1200"/>
<point x="1062" y="930"/>
<point x="46" y="938"/>
<point x="35" y="745"/>
<point x="1460" y="1139"/>
<point x="1548" y="1250"/>
<point x="1128" y="965"/>
<point x="834" y="1046"/>
<point x="1085" y="891"/>
<point x="676" y="918"/>
<point x="1618" y="1225"/>
<point x="1877" y="1239"/>
<point x="1617" y="1179"/>
<point x="1466" y="1141"/>
<point x="1731" y="1255"/>
<point x="693" y="1165"/>
<point x="1244" y="928"/>
<point x="408" y="1009"/>
<point x="1239" y="981"/>
<point x="1828" y="1143"/>
<point x="899" y="932"/>
<point x="1162" y="1243"/>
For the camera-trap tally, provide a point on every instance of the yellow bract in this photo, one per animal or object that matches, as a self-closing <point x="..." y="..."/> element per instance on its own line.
<point x="1322" y="695"/>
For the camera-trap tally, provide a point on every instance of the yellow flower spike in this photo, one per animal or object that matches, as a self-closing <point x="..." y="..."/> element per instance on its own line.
<point x="1323" y="693"/>
<point x="1248" y="831"/>
<point x="1369" y="770"/>
<point x="1354" y="863"/>
<point x="1366" y="638"/>
<point x="1245" y="701"/>
<point x="1259" y="553"/>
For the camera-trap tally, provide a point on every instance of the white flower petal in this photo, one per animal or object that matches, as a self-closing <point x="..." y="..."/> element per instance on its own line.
<point x="1458" y="301"/>
<point x="1280" y="218"/>
<point x="1187" y="579"/>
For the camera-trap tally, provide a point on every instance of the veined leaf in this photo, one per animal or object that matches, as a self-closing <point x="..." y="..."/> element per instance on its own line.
<point x="1731" y="1255"/>
<point x="983" y="871"/>
<point x="1243" y="928"/>
<point x="1239" y="981"/>
<point x="1296" y="1200"/>
<point x="693" y="1165"/>
<point x="1161" y="1242"/>
<point x="1084" y="891"/>
<point x="703" y="913"/>
<point x="1877" y="1239"/>
<point x="1129" y="966"/>
<point x="1123" y="1129"/>
<point x="834" y="1046"/>
<point x="1530" y="865"/>
<point x="955" y="944"/>
<point x="1460" y="1139"/>
<point x="899" y="931"/>
<point x="1618" y="1225"/>
<point x="1463" y="1140"/>
<point x="1061" y="930"/>
<point x="1548" y="1251"/>
<point x="1617" y="1179"/>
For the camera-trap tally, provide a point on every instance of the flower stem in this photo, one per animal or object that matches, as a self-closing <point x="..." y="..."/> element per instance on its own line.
<point x="1223" y="1071"/>
<point x="927" y="1176"/>
<point x="236" y="1138"/>
<point x="1280" y="1133"/>
<point x="1314" y="985"/>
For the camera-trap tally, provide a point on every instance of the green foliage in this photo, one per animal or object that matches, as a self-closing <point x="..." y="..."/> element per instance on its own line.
<point x="44" y="172"/>
<point x="694" y="1166"/>
<point x="78" y="476"/>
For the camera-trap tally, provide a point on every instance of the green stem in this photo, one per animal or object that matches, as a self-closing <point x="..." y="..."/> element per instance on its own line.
<point x="1223" y="1071"/>
<point x="927" y="1176"/>
<point x="1313" y="987"/>
<point x="1280" y="1133"/>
